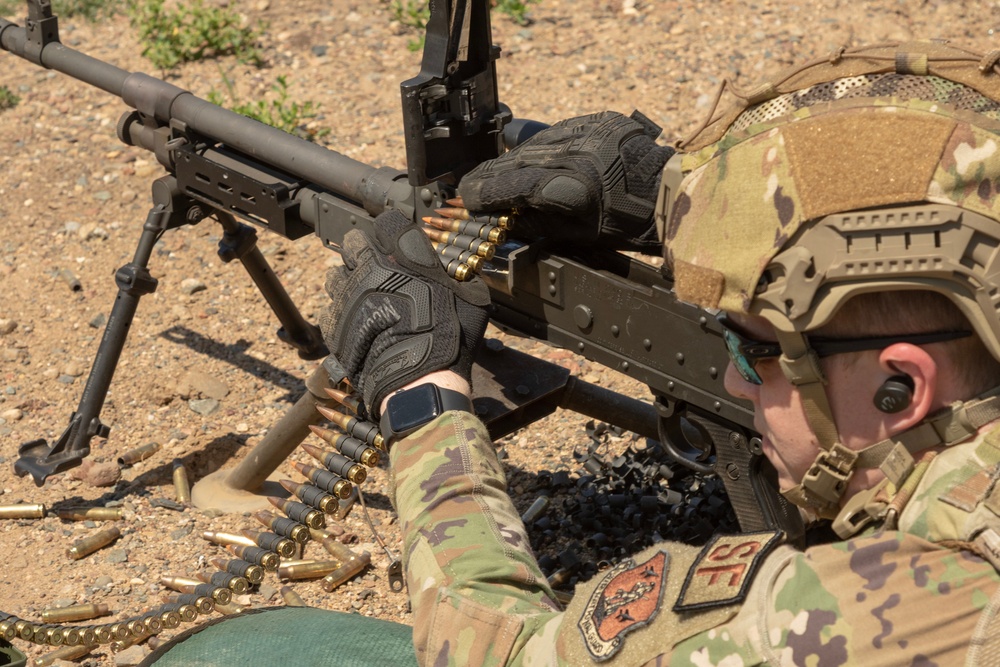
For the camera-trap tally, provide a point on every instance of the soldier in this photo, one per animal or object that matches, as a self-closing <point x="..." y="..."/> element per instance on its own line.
<point x="844" y="221"/>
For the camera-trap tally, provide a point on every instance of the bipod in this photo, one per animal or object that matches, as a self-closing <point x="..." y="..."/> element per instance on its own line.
<point x="170" y="210"/>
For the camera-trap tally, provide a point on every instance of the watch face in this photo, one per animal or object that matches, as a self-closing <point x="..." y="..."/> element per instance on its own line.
<point x="413" y="408"/>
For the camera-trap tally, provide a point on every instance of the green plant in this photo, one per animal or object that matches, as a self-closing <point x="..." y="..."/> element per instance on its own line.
<point x="8" y="100"/>
<point x="412" y="14"/>
<point x="279" y="112"/>
<point x="516" y="10"/>
<point x="191" y="32"/>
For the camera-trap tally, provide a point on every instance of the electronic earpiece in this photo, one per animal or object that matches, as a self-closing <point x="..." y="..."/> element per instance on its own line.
<point x="895" y="394"/>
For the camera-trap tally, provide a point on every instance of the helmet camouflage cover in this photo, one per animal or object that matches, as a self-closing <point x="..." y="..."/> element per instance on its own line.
<point x="875" y="169"/>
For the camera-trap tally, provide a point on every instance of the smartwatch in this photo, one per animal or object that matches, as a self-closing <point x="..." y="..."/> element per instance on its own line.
<point x="408" y="410"/>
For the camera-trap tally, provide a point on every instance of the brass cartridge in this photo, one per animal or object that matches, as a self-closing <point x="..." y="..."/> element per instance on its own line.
<point x="283" y="546"/>
<point x="293" y="530"/>
<point x="151" y="622"/>
<point x="347" y="569"/>
<point x="447" y="251"/>
<point x="310" y="569"/>
<point x="457" y="270"/>
<point x="361" y="430"/>
<point x="473" y="244"/>
<point x="89" y="514"/>
<point x="535" y="510"/>
<point x="347" y="445"/>
<point x="72" y="636"/>
<point x="291" y="598"/>
<point x="223" y="539"/>
<point x="324" y="479"/>
<point x="311" y="495"/>
<point x="182" y="487"/>
<point x="53" y="635"/>
<point x="119" y="631"/>
<point x="87" y="635"/>
<point x="235" y="583"/>
<point x="456" y="213"/>
<point x="88" y="545"/>
<point x="22" y="511"/>
<point x="475" y="228"/>
<point x="169" y="618"/>
<point x="77" y="612"/>
<point x="7" y="629"/>
<point x="142" y="453"/>
<point x="266" y="559"/>
<point x="349" y="401"/>
<point x="299" y="512"/>
<point x="25" y="630"/>
<point x="102" y="633"/>
<point x="229" y="609"/>
<point x="64" y="653"/>
<point x="203" y="604"/>
<point x="251" y="572"/>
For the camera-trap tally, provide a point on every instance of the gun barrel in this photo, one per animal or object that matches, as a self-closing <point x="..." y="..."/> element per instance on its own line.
<point x="372" y="187"/>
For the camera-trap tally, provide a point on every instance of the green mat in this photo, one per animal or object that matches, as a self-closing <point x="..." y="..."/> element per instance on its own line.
<point x="287" y="637"/>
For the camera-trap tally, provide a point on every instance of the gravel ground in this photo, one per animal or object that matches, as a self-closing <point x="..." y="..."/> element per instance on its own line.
<point x="203" y="373"/>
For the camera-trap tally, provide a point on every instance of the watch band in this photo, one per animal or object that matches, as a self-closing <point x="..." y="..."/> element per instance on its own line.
<point x="408" y="410"/>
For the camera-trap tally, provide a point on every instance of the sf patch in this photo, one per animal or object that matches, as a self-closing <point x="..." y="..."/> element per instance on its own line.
<point x="723" y="571"/>
<point x="626" y="599"/>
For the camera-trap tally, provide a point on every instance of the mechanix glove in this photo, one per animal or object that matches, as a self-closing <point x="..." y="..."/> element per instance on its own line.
<point x="396" y="315"/>
<point x="586" y="179"/>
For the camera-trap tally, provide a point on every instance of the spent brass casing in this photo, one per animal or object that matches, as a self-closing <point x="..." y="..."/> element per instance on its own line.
<point x="24" y="511"/>
<point x="291" y="598"/>
<point x="348" y="445"/>
<point x="249" y="571"/>
<point x="180" y="584"/>
<point x="89" y="514"/>
<point x="142" y="453"/>
<point x="535" y="510"/>
<point x="266" y="559"/>
<point x="223" y="539"/>
<point x="283" y="546"/>
<point x="233" y="582"/>
<point x="64" y="653"/>
<point x="182" y="486"/>
<point x="464" y="256"/>
<point x="361" y="430"/>
<point x="559" y="578"/>
<point x="332" y="530"/>
<point x="300" y="512"/>
<point x="129" y="640"/>
<point x="312" y="569"/>
<point x="324" y="479"/>
<point x="349" y="401"/>
<point x="337" y="549"/>
<point x="88" y="545"/>
<point x="283" y="526"/>
<point x="77" y="612"/>
<point x="229" y="609"/>
<point x="347" y="570"/>
<point x="311" y="495"/>
<point x="337" y="463"/>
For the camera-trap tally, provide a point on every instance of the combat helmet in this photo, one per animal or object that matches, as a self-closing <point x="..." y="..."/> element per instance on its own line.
<point x="874" y="169"/>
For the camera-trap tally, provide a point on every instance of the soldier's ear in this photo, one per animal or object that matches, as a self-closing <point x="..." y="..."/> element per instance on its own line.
<point x="909" y="386"/>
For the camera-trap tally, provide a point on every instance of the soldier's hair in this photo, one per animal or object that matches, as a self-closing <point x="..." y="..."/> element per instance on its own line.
<point x="905" y="312"/>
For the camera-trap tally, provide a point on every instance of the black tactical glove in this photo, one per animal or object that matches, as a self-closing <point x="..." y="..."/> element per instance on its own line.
<point x="586" y="179"/>
<point x="396" y="315"/>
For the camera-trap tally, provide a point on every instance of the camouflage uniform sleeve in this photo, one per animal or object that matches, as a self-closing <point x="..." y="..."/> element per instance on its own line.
<point x="477" y="592"/>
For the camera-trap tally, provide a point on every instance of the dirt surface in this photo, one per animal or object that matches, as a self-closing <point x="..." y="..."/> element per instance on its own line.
<point x="73" y="199"/>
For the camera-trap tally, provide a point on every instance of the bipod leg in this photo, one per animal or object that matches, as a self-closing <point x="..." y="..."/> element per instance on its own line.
<point x="244" y="488"/>
<point x="240" y="242"/>
<point x="134" y="281"/>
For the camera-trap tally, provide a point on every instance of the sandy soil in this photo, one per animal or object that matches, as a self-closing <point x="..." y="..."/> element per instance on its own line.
<point x="72" y="198"/>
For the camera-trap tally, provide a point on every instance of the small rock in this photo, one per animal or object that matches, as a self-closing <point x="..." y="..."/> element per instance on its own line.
<point x="180" y="533"/>
<point x="99" y="320"/>
<point x="133" y="655"/>
<point x="191" y="286"/>
<point x="103" y="474"/>
<point x="117" y="556"/>
<point x="74" y="369"/>
<point x="203" y="406"/>
<point x="12" y="415"/>
<point x="102" y="195"/>
<point x="66" y="379"/>
<point x="103" y="581"/>
<point x="319" y="50"/>
<point x="196" y="382"/>
<point x="166" y="503"/>
<point x="7" y="326"/>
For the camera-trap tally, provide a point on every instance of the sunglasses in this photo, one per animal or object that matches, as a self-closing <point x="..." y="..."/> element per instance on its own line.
<point x="745" y="352"/>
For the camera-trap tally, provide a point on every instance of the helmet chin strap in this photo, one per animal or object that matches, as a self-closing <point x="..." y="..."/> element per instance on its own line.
<point x="824" y="484"/>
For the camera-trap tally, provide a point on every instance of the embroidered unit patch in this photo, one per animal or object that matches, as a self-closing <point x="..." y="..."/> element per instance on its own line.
<point x="724" y="570"/>
<point x="627" y="599"/>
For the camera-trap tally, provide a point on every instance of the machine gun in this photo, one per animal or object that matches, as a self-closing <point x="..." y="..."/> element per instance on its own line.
<point x="607" y="307"/>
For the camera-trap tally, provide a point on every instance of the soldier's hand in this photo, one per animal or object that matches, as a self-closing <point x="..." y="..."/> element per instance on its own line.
<point x="586" y="179"/>
<point x="396" y="315"/>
